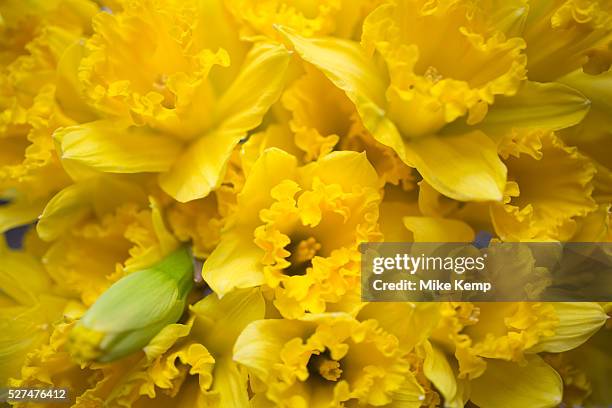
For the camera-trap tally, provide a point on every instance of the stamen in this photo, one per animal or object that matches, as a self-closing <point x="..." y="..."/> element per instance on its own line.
<point x="160" y="86"/>
<point x="160" y="83"/>
<point x="432" y="74"/>
<point x="304" y="251"/>
<point x="325" y="367"/>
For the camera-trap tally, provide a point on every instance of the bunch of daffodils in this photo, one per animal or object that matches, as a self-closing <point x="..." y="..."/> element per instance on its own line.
<point x="198" y="175"/>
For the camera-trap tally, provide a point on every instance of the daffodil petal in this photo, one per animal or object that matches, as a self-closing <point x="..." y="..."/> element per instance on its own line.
<point x="432" y="229"/>
<point x="22" y="330"/>
<point x="230" y="383"/>
<point x="199" y="169"/>
<point x="20" y="212"/>
<point x="241" y="108"/>
<point x="65" y="209"/>
<point x="577" y="323"/>
<point x="167" y="241"/>
<point x="593" y="133"/>
<point x="221" y="320"/>
<point x="509" y="16"/>
<point x="411" y="323"/>
<point x="165" y="339"/>
<point x="256" y="88"/>
<point x="598" y="88"/>
<point x="595" y="360"/>
<point x="348" y="67"/>
<point x="68" y="91"/>
<point x="551" y="106"/>
<point x="343" y="168"/>
<point x="439" y="371"/>
<point x="510" y="385"/>
<point x="344" y="63"/>
<point x="111" y="147"/>
<point x="235" y="263"/>
<point x="219" y="30"/>
<point x="409" y="395"/>
<point x="465" y="167"/>
<point x="260" y="342"/>
<point x="260" y="401"/>
<point x="22" y="276"/>
<point x="90" y="196"/>
<point x="272" y="167"/>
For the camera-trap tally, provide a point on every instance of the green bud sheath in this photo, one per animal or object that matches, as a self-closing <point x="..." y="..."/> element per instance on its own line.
<point x="133" y="310"/>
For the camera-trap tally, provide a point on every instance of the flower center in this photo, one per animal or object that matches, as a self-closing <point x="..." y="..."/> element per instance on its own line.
<point x="323" y="366"/>
<point x="432" y="74"/>
<point x="302" y="251"/>
<point x="160" y="86"/>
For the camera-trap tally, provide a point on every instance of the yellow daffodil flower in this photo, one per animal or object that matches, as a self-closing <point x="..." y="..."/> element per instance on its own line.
<point x="178" y="112"/>
<point x="544" y="210"/>
<point x="327" y="360"/>
<point x="410" y="107"/>
<point x="494" y="345"/>
<point x="190" y="365"/>
<point x="297" y="230"/>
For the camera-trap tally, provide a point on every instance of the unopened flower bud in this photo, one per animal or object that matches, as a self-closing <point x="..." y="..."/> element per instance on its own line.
<point x="133" y="310"/>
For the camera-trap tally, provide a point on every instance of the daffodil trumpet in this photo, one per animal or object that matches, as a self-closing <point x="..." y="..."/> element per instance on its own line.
<point x="133" y="310"/>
